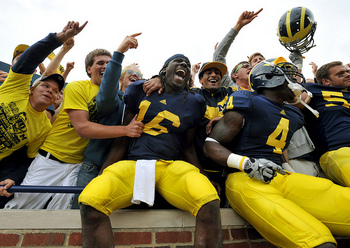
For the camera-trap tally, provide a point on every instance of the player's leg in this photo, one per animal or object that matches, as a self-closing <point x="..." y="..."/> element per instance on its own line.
<point x="110" y="191"/>
<point x="336" y="165"/>
<point x="183" y="186"/>
<point x="96" y="228"/>
<point x="208" y="231"/>
<point x="328" y="202"/>
<point x="279" y="220"/>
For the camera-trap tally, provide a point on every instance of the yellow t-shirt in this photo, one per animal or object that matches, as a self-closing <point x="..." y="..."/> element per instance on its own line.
<point x="63" y="141"/>
<point x="20" y="124"/>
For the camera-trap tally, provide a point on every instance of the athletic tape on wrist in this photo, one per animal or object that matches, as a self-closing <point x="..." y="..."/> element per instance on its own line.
<point x="236" y="161"/>
<point x="212" y="140"/>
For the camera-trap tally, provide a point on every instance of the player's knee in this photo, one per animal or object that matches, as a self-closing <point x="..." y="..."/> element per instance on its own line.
<point x="211" y="208"/>
<point x="90" y="214"/>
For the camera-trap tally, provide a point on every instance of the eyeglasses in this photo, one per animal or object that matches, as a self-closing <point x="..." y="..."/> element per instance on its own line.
<point x="243" y="65"/>
<point x="131" y="72"/>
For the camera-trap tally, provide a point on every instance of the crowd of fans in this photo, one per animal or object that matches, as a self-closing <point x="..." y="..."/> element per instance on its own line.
<point x="257" y="138"/>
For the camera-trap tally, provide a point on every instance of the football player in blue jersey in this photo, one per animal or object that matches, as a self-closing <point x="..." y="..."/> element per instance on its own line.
<point x="288" y="209"/>
<point x="156" y="160"/>
<point x="330" y="132"/>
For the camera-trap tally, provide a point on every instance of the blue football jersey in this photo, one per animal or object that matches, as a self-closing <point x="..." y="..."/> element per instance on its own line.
<point x="331" y="130"/>
<point x="268" y="126"/>
<point x="167" y="117"/>
<point x="216" y="103"/>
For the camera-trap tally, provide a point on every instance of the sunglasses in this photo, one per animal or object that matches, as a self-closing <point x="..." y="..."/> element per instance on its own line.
<point x="131" y="72"/>
<point x="245" y="66"/>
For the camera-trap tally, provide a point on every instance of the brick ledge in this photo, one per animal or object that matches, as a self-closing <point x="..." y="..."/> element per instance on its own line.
<point x="15" y="219"/>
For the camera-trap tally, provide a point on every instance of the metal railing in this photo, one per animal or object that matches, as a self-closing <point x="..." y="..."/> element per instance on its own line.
<point x="44" y="189"/>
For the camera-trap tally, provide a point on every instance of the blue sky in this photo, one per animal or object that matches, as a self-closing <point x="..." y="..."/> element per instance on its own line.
<point x="169" y="27"/>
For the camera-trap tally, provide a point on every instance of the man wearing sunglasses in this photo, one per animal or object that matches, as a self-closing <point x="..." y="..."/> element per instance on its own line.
<point x="240" y="75"/>
<point x="130" y="74"/>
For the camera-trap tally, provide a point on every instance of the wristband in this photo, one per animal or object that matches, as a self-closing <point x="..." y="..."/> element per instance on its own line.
<point x="212" y="140"/>
<point x="236" y="161"/>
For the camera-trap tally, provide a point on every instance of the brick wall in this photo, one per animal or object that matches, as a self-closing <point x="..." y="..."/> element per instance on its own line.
<point x="132" y="228"/>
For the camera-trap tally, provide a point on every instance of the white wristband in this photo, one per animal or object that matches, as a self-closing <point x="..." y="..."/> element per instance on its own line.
<point x="236" y="161"/>
<point x="211" y="140"/>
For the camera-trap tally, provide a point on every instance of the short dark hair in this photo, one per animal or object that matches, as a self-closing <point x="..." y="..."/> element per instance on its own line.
<point x="323" y="71"/>
<point x="89" y="59"/>
<point x="254" y="55"/>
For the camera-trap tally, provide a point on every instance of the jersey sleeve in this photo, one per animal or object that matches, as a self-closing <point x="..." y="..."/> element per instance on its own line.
<point x="133" y="95"/>
<point x="239" y="101"/>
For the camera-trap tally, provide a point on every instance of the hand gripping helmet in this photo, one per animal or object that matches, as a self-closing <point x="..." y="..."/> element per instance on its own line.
<point x="296" y="29"/>
<point x="274" y="72"/>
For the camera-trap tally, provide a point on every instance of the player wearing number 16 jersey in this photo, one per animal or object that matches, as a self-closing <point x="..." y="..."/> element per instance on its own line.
<point x="290" y="210"/>
<point x="169" y="125"/>
<point x="167" y="117"/>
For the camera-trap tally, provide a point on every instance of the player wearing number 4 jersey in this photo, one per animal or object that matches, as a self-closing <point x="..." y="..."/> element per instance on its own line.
<point x="289" y="210"/>
<point x="330" y="132"/>
<point x="155" y="162"/>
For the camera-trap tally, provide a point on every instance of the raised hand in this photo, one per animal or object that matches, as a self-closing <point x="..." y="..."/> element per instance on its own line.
<point x="245" y="18"/>
<point x="69" y="31"/>
<point x="69" y="44"/>
<point x="313" y="68"/>
<point x="128" y="43"/>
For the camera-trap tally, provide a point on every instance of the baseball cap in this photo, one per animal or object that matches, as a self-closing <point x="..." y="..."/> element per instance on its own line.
<point x="56" y="77"/>
<point x="19" y="49"/>
<point x="218" y="65"/>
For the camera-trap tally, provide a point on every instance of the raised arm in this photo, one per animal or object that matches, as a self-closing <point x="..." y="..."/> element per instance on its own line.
<point x="106" y="99"/>
<point x="36" y="53"/>
<point x="56" y="61"/>
<point x="222" y="49"/>
<point x="69" y="67"/>
<point x="69" y="31"/>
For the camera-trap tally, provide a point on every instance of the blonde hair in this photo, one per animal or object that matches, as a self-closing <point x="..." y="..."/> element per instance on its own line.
<point x="124" y="70"/>
<point x="127" y="67"/>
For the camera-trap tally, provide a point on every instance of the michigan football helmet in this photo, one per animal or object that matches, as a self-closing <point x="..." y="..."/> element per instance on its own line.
<point x="271" y="73"/>
<point x="296" y="29"/>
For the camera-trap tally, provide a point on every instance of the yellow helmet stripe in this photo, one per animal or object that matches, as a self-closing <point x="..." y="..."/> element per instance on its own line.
<point x="289" y="31"/>
<point x="302" y="19"/>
